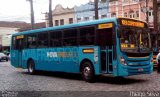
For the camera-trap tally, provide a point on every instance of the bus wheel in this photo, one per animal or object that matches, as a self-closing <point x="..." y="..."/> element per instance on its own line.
<point x="31" y="67"/>
<point x="88" y="72"/>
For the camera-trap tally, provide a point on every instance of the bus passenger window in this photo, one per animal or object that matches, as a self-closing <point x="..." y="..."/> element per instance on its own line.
<point x="31" y="41"/>
<point x="55" y="38"/>
<point x="87" y="36"/>
<point x="105" y="37"/>
<point x="43" y="39"/>
<point x="14" y="45"/>
<point x="70" y="37"/>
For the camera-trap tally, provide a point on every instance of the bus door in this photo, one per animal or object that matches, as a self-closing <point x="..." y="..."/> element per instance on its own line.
<point x="20" y="45"/>
<point x="106" y="49"/>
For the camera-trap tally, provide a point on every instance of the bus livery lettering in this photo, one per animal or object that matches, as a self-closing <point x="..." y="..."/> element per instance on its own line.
<point x="60" y="54"/>
<point x="52" y="54"/>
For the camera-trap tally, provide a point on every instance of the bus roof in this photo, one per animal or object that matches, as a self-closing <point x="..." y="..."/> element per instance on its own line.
<point x="81" y="24"/>
<point x="67" y="26"/>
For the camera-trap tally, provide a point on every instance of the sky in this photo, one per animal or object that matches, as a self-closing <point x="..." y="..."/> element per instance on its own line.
<point x="19" y="10"/>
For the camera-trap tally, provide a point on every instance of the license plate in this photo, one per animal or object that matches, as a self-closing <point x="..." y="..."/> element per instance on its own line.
<point x="140" y="69"/>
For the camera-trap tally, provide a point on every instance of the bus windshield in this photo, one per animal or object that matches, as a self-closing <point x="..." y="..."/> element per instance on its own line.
<point x="134" y="39"/>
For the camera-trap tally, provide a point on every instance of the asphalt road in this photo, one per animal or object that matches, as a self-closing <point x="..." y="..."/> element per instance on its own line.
<point x="12" y="79"/>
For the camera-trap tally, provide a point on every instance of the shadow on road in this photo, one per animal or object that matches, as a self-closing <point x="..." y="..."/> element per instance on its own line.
<point x="63" y="75"/>
<point x="119" y="80"/>
<point x="98" y="79"/>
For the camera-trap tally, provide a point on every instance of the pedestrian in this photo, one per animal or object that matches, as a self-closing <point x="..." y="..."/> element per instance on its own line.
<point x="158" y="62"/>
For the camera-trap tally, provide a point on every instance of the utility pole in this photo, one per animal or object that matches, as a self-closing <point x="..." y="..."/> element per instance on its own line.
<point x="32" y="14"/>
<point x="96" y="9"/>
<point x="155" y="8"/>
<point x="147" y="11"/>
<point x="50" y="14"/>
<point x="155" y="21"/>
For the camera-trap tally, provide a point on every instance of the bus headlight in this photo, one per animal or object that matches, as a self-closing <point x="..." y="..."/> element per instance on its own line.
<point x="122" y="60"/>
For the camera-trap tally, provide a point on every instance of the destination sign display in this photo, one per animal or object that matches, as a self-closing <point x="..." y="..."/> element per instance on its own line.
<point x="104" y="26"/>
<point x="133" y="23"/>
<point x="20" y="37"/>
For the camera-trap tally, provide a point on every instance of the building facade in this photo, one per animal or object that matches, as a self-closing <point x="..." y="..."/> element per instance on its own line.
<point x="132" y="9"/>
<point x="62" y="16"/>
<point x="86" y="12"/>
<point x="137" y="9"/>
<point x="5" y="37"/>
<point x="158" y="18"/>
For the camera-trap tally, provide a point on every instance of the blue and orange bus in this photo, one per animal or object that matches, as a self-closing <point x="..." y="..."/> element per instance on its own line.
<point x="117" y="46"/>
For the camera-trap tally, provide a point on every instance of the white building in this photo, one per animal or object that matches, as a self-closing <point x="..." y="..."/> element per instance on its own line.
<point x="6" y="30"/>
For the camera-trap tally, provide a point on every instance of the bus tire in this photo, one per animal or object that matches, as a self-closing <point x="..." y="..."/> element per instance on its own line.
<point x="31" y="67"/>
<point x="88" y="72"/>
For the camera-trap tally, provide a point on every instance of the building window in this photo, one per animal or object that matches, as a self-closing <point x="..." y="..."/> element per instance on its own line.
<point x="150" y="13"/>
<point x="112" y="3"/>
<point x="131" y="14"/>
<point x="78" y="19"/>
<point x="62" y="22"/>
<point x="113" y="14"/>
<point x="103" y="16"/>
<point x="56" y="23"/>
<point x="70" y="20"/>
<point x="86" y="18"/>
<point x="93" y="17"/>
<point x="125" y="14"/>
<point x="137" y="14"/>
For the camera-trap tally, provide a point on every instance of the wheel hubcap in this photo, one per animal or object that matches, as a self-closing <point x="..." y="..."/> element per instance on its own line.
<point x="87" y="71"/>
<point x="30" y="68"/>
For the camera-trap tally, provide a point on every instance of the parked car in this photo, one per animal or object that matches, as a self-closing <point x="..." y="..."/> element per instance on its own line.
<point x="3" y="57"/>
<point x="158" y="62"/>
<point x="154" y="60"/>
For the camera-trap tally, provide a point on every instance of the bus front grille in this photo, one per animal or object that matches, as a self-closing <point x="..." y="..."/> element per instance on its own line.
<point x="139" y="69"/>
